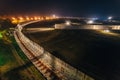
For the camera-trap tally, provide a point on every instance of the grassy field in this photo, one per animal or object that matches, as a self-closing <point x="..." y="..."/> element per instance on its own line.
<point x="93" y="52"/>
<point x="14" y="65"/>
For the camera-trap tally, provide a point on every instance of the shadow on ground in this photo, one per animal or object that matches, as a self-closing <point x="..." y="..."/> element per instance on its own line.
<point x="14" y="74"/>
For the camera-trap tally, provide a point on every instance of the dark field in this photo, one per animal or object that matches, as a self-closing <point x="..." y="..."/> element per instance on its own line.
<point x="51" y="23"/>
<point x="93" y="52"/>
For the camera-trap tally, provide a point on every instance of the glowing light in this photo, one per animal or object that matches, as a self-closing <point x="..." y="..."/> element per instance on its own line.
<point x="90" y="22"/>
<point x="107" y="30"/>
<point x="47" y="18"/>
<point x="27" y="18"/>
<point x="15" y="21"/>
<point x="39" y="18"/>
<point x="42" y="18"/>
<point x="31" y="18"/>
<point x="54" y="16"/>
<point x="68" y="23"/>
<point x="21" y="18"/>
<point x="13" y="18"/>
<point x="95" y="27"/>
<point x="35" y="18"/>
<point x="110" y="17"/>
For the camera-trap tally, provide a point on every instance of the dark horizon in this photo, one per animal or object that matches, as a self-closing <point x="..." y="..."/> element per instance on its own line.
<point x="80" y="8"/>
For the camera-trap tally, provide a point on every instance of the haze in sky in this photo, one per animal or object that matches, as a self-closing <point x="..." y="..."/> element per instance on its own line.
<point x="61" y="7"/>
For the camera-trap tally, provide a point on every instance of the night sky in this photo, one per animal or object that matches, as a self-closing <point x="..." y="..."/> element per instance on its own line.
<point x="89" y="8"/>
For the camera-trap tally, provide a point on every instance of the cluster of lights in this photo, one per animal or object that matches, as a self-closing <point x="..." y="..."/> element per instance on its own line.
<point x="22" y="19"/>
<point x="116" y="27"/>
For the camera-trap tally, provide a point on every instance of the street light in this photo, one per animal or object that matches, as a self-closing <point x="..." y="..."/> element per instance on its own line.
<point x="32" y="18"/>
<point x="35" y="18"/>
<point x="27" y="18"/>
<point x="21" y="18"/>
<point x="68" y="23"/>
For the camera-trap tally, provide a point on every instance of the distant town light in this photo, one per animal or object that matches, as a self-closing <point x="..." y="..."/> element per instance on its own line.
<point x="31" y="18"/>
<point x="47" y="18"/>
<point x="39" y="18"/>
<point x="42" y="18"/>
<point x="68" y="23"/>
<point x="90" y="22"/>
<point x="110" y="17"/>
<point x="35" y="18"/>
<point x="13" y="18"/>
<point x="21" y="18"/>
<point x="54" y="16"/>
<point x="27" y="18"/>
